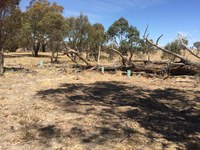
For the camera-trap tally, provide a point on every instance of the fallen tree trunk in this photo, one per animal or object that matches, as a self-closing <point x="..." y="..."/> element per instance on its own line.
<point x="162" y="68"/>
<point x="184" y="67"/>
<point x="150" y="70"/>
<point x="183" y="70"/>
<point x="173" y="69"/>
<point x="151" y="62"/>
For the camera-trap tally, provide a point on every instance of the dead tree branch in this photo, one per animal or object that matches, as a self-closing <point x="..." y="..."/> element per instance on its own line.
<point x="186" y="47"/>
<point x="72" y="51"/>
<point x="183" y="59"/>
<point x="117" y="52"/>
<point x="145" y="32"/>
<point x="159" y="39"/>
<point x="124" y="59"/>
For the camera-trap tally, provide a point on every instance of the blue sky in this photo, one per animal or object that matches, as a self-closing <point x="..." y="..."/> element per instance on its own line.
<point x="168" y="17"/>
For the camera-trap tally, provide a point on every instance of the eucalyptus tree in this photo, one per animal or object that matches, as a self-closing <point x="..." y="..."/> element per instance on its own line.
<point x="77" y="35"/>
<point x="6" y="8"/>
<point x="26" y="41"/>
<point x="118" y="31"/>
<point x="53" y="28"/>
<point x="34" y="14"/>
<point x="96" y="40"/>
<point x="12" y="29"/>
<point x="82" y="36"/>
<point x="126" y="37"/>
<point x="77" y="32"/>
<point x="37" y="12"/>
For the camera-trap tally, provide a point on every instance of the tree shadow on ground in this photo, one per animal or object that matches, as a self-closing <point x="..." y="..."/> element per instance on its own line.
<point x="18" y="69"/>
<point x="40" y="132"/>
<point x="21" y="55"/>
<point x="167" y="113"/>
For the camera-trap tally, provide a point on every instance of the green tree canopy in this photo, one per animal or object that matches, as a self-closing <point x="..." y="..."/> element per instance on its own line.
<point x="78" y="32"/>
<point x="12" y="29"/>
<point x="124" y="35"/>
<point x="6" y="9"/>
<point x="176" y="47"/>
<point x="43" y="21"/>
<point x="197" y="45"/>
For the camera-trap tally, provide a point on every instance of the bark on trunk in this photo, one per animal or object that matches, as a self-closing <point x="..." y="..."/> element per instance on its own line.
<point x="87" y="56"/>
<point x="43" y="47"/>
<point x="36" y="49"/>
<point x="74" y="52"/>
<point x="175" y="69"/>
<point x="99" y="54"/>
<point x="148" y="55"/>
<point x="55" y="49"/>
<point x="183" y="59"/>
<point x="54" y="58"/>
<point x="71" y="51"/>
<point x="1" y="63"/>
<point x="125" y="61"/>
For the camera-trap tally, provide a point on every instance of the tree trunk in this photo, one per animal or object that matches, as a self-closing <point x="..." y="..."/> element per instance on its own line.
<point x="71" y="51"/>
<point x="99" y="54"/>
<point x="131" y="56"/>
<point x="43" y="47"/>
<point x="74" y="52"/>
<point x="174" y="69"/>
<point x="87" y="56"/>
<point x="55" y="49"/>
<point x="54" y="57"/>
<point x="198" y="51"/>
<point x="125" y="61"/>
<point x="36" y="49"/>
<point x="148" y="56"/>
<point x="1" y="63"/>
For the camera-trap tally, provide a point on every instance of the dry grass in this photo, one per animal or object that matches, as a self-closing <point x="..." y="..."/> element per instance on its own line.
<point x="57" y="107"/>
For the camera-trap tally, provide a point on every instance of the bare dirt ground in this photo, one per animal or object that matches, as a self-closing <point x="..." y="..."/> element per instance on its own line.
<point x="58" y="107"/>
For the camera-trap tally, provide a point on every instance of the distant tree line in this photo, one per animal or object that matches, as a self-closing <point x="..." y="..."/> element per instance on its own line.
<point x="43" y="27"/>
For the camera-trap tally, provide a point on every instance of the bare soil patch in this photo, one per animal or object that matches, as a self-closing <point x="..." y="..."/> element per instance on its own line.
<point x="58" y="107"/>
